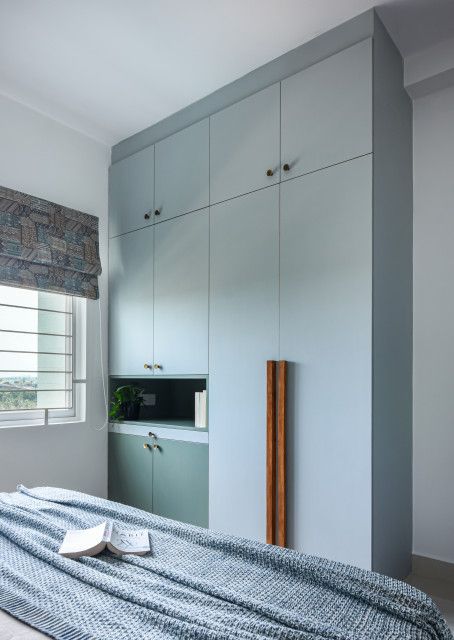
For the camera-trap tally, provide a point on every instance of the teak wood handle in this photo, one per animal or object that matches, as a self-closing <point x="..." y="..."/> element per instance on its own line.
<point x="276" y="455"/>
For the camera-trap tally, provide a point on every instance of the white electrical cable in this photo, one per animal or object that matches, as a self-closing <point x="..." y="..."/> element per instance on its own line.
<point x="101" y="355"/>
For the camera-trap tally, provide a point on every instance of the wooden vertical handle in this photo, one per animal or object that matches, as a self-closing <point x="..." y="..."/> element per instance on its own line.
<point x="271" y="451"/>
<point x="282" y="456"/>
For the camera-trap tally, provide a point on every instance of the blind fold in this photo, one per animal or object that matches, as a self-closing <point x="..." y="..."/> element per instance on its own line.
<point x="46" y="246"/>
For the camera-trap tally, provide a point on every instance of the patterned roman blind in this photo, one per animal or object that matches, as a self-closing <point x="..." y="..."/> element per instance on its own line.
<point x="47" y="247"/>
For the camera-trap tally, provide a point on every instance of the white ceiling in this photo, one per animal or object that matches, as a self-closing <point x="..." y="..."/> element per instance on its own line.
<point x="110" y="68"/>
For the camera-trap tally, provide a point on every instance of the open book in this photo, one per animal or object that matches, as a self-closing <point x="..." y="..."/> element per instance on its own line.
<point x="90" y="542"/>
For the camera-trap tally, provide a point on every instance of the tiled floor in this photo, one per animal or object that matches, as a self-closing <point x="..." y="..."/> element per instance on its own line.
<point x="440" y="591"/>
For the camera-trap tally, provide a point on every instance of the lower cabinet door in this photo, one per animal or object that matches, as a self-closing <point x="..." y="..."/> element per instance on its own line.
<point x="180" y="481"/>
<point x="130" y="471"/>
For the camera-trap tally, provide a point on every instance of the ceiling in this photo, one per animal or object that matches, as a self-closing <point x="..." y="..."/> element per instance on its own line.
<point x="110" y="68"/>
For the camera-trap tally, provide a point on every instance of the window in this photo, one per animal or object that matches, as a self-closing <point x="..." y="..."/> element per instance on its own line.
<point x="42" y="357"/>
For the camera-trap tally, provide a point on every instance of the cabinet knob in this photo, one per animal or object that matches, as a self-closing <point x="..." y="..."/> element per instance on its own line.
<point x="147" y="366"/>
<point x="151" y="447"/>
<point x="157" y="212"/>
<point x="269" y="173"/>
<point x="147" y="216"/>
<point x="151" y="434"/>
<point x="286" y="167"/>
<point x="157" y="366"/>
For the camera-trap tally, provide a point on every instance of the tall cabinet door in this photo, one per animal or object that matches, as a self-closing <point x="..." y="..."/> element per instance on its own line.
<point x="181" y="294"/>
<point x="131" y="303"/>
<point x="131" y="192"/>
<point x="244" y="239"/>
<point x="245" y="145"/>
<point x="326" y="112"/>
<point x="182" y="172"/>
<point x="325" y="334"/>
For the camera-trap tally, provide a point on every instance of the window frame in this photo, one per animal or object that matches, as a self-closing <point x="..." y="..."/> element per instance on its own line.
<point x="76" y="413"/>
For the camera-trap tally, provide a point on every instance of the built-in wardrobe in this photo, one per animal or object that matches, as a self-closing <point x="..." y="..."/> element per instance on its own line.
<point x="272" y="220"/>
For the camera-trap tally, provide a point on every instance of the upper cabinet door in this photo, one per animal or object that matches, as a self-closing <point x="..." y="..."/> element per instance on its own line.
<point x="244" y="145"/>
<point x="131" y="192"/>
<point x="182" y="172"/>
<point x="131" y="303"/>
<point x="327" y="112"/>
<point x="181" y="295"/>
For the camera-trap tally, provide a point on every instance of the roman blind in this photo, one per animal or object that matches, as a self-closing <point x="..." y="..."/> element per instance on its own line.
<point x="47" y="247"/>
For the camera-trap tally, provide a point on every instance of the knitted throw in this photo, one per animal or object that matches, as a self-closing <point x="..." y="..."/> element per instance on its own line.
<point x="195" y="584"/>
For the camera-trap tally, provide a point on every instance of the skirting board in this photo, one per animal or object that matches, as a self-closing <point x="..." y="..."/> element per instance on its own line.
<point x="434" y="569"/>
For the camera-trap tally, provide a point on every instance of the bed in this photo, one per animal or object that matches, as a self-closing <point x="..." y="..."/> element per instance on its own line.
<point x="195" y="584"/>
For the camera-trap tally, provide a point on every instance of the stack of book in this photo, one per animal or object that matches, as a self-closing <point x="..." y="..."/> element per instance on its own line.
<point x="201" y="409"/>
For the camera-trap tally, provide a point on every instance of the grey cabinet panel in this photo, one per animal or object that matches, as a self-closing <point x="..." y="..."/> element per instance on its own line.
<point x="182" y="171"/>
<point x="131" y="192"/>
<point x="244" y="250"/>
<point x="130" y="471"/>
<point x="180" y="481"/>
<point x="326" y="111"/>
<point x="131" y="303"/>
<point x="325" y="334"/>
<point x="244" y="144"/>
<point x="181" y="294"/>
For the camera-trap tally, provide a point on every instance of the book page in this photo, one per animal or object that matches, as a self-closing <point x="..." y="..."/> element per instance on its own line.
<point x="84" y="542"/>
<point x="136" y="541"/>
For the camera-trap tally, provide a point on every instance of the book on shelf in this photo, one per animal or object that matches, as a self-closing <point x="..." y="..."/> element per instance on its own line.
<point x="200" y="410"/>
<point x="90" y="542"/>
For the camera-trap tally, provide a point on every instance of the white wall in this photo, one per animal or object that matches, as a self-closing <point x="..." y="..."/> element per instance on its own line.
<point x="433" y="341"/>
<point x="46" y="159"/>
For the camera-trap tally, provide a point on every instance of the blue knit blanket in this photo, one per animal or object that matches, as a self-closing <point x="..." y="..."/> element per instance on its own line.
<point x="195" y="584"/>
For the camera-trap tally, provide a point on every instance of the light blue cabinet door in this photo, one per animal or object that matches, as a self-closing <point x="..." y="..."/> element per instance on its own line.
<point x="326" y="111"/>
<point x="130" y="471"/>
<point x="131" y="303"/>
<point x="325" y="334"/>
<point x="244" y="247"/>
<point x="244" y="145"/>
<point x="182" y="170"/>
<point x="131" y="192"/>
<point x="181" y="294"/>
<point x="180" y="481"/>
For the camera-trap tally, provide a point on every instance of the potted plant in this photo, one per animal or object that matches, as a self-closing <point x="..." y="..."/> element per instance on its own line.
<point x="126" y="403"/>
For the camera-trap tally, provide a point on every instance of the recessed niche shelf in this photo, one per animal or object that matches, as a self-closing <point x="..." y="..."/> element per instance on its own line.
<point x="169" y="402"/>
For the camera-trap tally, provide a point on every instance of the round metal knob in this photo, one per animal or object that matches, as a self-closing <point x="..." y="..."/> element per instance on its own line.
<point x="156" y="447"/>
<point x="147" y="216"/>
<point x="147" y="366"/>
<point x="146" y="445"/>
<point x="151" y="434"/>
<point x="157" y="212"/>
<point x="157" y="366"/>
<point x="269" y="173"/>
<point x="286" y="167"/>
